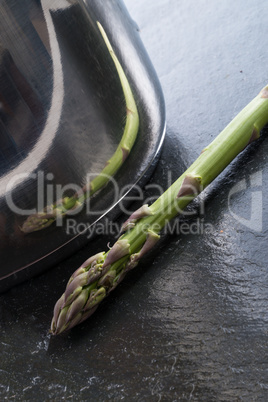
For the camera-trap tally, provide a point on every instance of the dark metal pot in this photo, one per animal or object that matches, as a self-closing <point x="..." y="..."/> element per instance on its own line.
<point x="62" y="113"/>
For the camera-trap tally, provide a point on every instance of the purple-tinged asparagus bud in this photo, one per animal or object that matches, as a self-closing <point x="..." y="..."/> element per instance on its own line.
<point x="83" y="277"/>
<point x="95" y="258"/>
<point x="264" y="92"/>
<point x="89" y="263"/>
<point x="57" y="308"/>
<point x="119" y="279"/>
<point x="254" y="135"/>
<point x="83" y="306"/>
<point x="77" y="305"/>
<point x="129" y="226"/>
<point x="77" y="319"/>
<point x="120" y="249"/>
<point x="60" y="325"/>
<point x="191" y="185"/>
<point x="204" y="150"/>
<point x="130" y="112"/>
<point x="152" y="239"/>
<point x="143" y="211"/>
<point x="78" y="272"/>
<point x="75" y="288"/>
<point x="36" y="222"/>
<point x="95" y="298"/>
<point x="96" y="272"/>
<point x="125" y="152"/>
<point x="72" y="296"/>
<point x="107" y="280"/>
<point x="132" y="263"/>
<point x="82" y="317"/>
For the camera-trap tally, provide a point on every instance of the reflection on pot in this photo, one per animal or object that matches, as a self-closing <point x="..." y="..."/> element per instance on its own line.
<point x="68" y="94"/>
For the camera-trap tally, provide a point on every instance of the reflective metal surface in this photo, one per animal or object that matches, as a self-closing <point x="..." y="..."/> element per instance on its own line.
<point x="62" y="114"/>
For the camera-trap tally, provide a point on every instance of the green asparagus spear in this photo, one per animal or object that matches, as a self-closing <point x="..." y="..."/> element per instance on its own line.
<point x="63" y="207"/>
<point x="100" y="274"/>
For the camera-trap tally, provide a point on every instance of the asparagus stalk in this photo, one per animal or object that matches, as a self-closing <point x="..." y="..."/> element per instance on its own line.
<point x="100" y="274"/>
<point x="67" y="205"/>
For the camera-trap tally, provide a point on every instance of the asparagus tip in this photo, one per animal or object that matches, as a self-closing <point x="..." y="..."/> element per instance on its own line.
<point x="36" y="222"/>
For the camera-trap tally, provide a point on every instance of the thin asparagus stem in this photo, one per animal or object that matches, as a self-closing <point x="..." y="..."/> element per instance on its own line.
<point x="100" y="274"/>
<point x="49" y="214"/>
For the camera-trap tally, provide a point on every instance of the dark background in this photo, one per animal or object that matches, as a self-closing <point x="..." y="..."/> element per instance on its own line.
<point x="191" y="322"/>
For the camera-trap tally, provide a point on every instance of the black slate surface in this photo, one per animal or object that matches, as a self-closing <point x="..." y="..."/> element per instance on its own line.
<point x="191" y="322"/>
